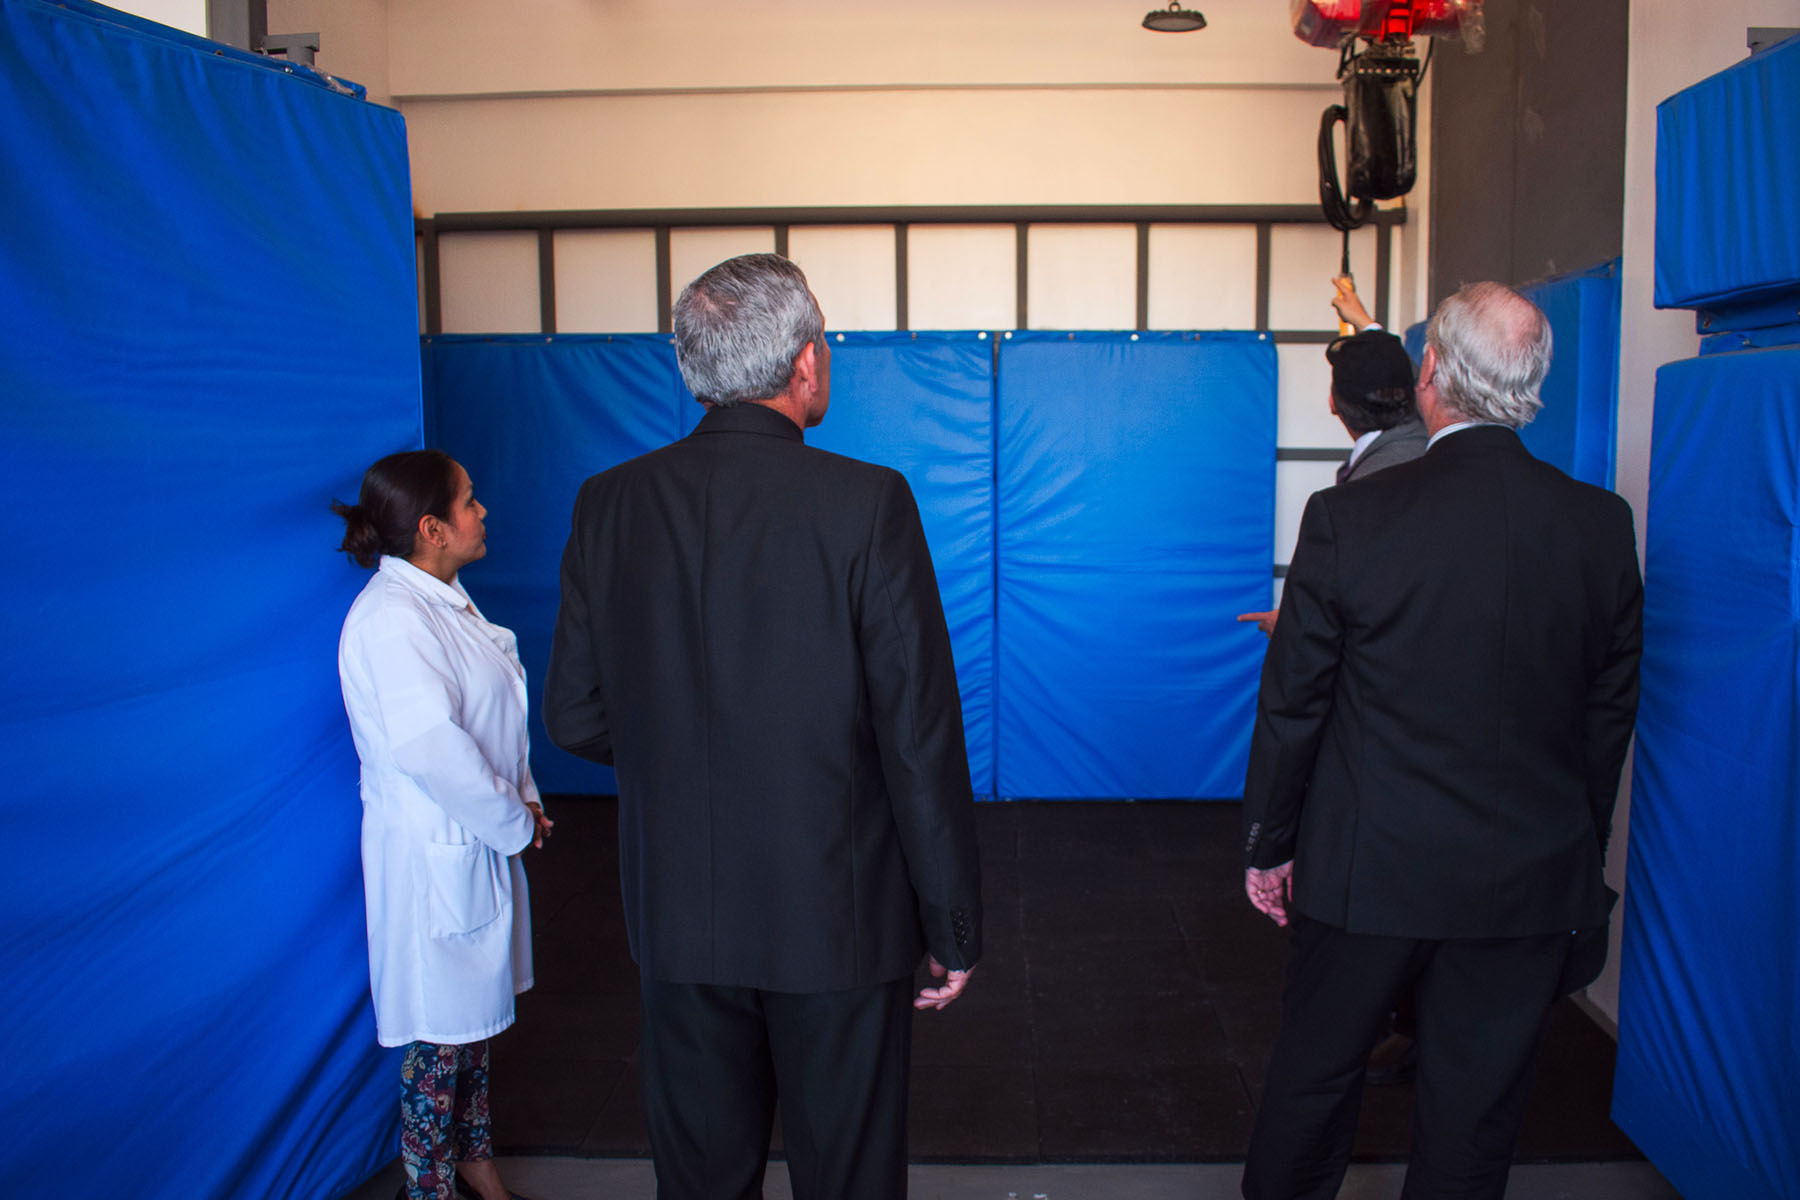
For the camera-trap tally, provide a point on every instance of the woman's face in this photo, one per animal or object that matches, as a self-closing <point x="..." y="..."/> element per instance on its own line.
<point x="466" y="526"/>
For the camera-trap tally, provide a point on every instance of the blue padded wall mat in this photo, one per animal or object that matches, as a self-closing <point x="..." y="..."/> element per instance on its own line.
<point x="1751" y="339"/>
<point x="1727" y="188"/>
<point x="1710" y="985"/>
<point x="1577" y="428"/>
<point x="207" y="291"/>
<point x="1414" y="340"/>
<point x="531" y="417"/>
<point x="1136" y="511"/>
<point x="923" y="403"/>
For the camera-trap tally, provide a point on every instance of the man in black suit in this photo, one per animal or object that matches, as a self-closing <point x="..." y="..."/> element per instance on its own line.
<point x="1372" y="395"/>
<point x="1445" y="708"/>
<point x="1372" y="391"/>
<point x="751" y="634"/>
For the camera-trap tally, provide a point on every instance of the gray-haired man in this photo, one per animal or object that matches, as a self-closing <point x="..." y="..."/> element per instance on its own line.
<point x="1444" y="712"/>
<point x="751" y="634"/>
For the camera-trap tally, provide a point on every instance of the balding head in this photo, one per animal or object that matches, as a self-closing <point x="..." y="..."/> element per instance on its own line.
<point x="1492" y="351"/>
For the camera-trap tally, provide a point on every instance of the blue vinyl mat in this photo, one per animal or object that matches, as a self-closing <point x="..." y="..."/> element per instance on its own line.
<point x="1709" y="1000"/>
<point x="1136" y="511"/>
<point x="923" y="403"/>
<point x="1727" y="184"/>
<point x="207" y="292"/>
<point x="1131" y="681"/>
<point x="531" y="417"/>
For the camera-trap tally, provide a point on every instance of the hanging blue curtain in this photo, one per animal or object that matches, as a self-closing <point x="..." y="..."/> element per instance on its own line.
<point x="207" y="302"/>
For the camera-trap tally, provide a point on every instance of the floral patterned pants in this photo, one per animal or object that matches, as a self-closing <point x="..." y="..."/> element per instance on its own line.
<point x="443" y="1115"/>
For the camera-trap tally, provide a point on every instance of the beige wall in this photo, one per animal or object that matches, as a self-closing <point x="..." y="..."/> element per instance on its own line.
<point x="553" y="46"/>
<point x="187" y="15"/>
<point x="866" y="147"/>
<point x="353" y="38"/>
<point x="584" y="104"/>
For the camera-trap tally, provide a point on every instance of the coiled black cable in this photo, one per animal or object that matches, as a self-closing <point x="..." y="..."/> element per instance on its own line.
<point x="1331" y="197"/>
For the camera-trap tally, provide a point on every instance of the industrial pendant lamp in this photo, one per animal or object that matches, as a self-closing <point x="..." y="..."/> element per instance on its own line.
<point x="1174" y="19"/>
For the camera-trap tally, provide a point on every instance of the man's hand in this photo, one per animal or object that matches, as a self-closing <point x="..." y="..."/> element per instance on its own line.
<point x="1349" y="306"/>
<point x="1271" y="890"/>
<point x="937" y="997"/>
<point x="542" y="822"/>
<point x="1265" y="621"/>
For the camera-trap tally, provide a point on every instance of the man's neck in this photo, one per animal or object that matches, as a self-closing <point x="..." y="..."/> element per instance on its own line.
<point x="788" y="405"/>
<point x="1437" y="415"/>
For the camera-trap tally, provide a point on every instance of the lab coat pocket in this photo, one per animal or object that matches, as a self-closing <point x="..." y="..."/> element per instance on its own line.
<point x="465" y="887"/>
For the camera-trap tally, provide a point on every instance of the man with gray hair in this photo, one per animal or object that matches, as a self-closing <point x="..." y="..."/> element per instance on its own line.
<point x="751" y="635"/>
<point x="1444" y="712"/>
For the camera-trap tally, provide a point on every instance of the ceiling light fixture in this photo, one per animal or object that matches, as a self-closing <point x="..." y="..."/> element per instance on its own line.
<point x="1174" y="19"/>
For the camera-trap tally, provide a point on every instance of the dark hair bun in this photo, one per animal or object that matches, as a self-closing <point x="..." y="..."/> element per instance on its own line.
<point x="397" y="493"/>
<point x="362" y="541"/>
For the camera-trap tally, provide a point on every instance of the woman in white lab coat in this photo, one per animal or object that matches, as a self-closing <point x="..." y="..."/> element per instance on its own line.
<point x="437" y="701"/>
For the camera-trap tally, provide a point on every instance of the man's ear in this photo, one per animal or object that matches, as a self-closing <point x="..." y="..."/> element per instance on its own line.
<point x="806" y="367"/>
<point x="1427" y="366"/>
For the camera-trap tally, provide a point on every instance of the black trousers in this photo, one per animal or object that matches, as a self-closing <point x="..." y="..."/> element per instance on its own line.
<point x="1481" y="1009"/>
<point x="716" y="1059"/>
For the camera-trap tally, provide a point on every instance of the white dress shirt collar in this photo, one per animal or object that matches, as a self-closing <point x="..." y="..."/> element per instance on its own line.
<point x="1362" y="444"/>
<point x="1449" y="429"/>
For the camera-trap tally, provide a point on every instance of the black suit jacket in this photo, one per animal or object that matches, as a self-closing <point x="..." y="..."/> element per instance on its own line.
<point x="1448" y="697"/>
<point x="751" y="634"/>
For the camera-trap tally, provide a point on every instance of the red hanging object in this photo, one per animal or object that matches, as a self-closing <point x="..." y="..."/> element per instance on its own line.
<point x="1332" y="22"/>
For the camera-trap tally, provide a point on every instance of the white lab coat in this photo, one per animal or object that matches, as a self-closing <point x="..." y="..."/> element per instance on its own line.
<point x="437" y="702"/>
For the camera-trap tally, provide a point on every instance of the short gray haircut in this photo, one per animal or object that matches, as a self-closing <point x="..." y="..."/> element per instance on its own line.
<point x="1493" y="351"/>
<point x="739" y="327"/>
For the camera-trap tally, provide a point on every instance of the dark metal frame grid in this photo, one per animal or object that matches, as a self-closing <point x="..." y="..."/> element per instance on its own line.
<point x="661" y="221"/>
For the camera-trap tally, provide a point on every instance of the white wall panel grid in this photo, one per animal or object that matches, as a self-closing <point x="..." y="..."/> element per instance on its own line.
<point x="1303" y="260"/>
<point x="1202" y="277"/>
<point x="1294" y="482"/>
<point x="851" y="269"/>
<point x="693" y="251"/>
<point x="489" y="282"/>
<point x="961" y="277"/>
<point x="605" y="281"/>
<point x="1303" y="390"/>
<point x="1081" y="277"/>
